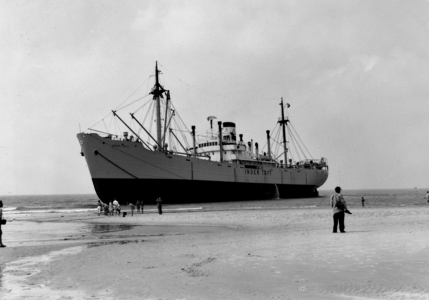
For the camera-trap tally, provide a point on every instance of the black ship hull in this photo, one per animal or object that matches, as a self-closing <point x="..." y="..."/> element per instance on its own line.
<point x="194" y="191"/>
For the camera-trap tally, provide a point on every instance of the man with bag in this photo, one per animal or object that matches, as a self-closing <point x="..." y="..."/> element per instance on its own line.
<point x="339" y="206"/>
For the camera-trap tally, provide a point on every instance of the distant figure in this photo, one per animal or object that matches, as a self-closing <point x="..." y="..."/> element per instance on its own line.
<point x="159" y="205"/>
<point x="427" y="198"/>
<point x="363" y="202"/>
<point x="133" y="207"/>
<point x="1" y="218"/>
<point x="138" y="206"/>
<point x="106" y="209"/>
<point x="99" y="206"/>
<point x="110" y="208"/>
<point x="116" y="206"/>
<point x="339" y="206"/>
<point x="142" y="205"/>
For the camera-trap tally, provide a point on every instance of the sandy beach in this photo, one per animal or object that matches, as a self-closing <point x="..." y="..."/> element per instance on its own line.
<point x="239" y="254"/>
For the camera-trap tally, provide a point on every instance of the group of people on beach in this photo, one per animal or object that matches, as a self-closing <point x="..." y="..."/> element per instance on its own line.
<point x="139" y="205"/>
<point x="114" y="208"/>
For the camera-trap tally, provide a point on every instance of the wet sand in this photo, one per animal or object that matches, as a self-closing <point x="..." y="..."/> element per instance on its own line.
<point x="240" y="254"/>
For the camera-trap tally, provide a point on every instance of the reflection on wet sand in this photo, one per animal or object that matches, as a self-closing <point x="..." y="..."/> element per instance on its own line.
<point x="118" y="242"/>
<point x="15" y="282"/>
<point x="103" y="228"/>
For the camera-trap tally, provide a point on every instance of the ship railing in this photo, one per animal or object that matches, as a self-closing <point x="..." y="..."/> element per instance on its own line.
<point x="320" y="164"/>
<point x="131" y="138"/>
<point x="272" y="164"/>
<point x="116" y="137"/>
<point x="204" y="156"/>
<point x="107" y="135"/>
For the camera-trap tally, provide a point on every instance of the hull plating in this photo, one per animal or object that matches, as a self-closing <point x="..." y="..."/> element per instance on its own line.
<point x="127" y="171"/>
<point x="187" y="191"/>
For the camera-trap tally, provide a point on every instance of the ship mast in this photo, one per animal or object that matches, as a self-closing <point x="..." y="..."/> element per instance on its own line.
<point x="157" y="92"/>
<point x="167" y="102"/>
<point x="283" y="123"/>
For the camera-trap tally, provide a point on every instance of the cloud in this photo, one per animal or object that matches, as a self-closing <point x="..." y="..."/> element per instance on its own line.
<point x="369" y="62"/>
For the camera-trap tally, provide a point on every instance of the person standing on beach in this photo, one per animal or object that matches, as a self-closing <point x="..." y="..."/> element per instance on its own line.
<point x="339" y="206"/>
<point x="99" y="207"/>
<point x="133" y="207"/>
<point x="110" y="208"/>
<point x="159" y="205"/>
<point x="1" y="218"/>
<point x="363" y="202"/>
<point x="138" y="206"/>
<point x="106" y="209"/>
<point x="116" y="206"/>
<point x="142" y="205"/>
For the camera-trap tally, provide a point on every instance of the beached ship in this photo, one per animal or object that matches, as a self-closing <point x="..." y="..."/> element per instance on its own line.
<point x="218" y="166"/>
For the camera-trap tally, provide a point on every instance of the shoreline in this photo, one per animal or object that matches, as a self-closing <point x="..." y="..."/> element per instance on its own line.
<point x="229" y="254"/>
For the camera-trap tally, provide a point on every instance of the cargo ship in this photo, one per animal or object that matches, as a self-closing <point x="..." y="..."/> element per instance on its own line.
<point x="219" y="166"/>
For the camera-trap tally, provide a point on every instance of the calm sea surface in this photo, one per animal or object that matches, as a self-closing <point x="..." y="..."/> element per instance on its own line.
<point x="33" y="204"/>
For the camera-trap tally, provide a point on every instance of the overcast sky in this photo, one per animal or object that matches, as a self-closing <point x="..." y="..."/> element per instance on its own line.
<point x="356" y="74"/>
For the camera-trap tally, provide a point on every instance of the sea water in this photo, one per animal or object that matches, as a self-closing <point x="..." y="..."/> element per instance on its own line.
<point x="34" y="204"/>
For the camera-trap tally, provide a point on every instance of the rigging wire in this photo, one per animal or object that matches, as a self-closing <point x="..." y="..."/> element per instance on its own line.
<point x="179" y="125"/>
<point x="117" y="108"/>
<point x="301" y="140"/>
<point x="150" y="124"/>
<point x="105" y="126"/>
<point x="296" y="144"/>
<point x="117" y="126"/>
<point x="174" y="75"/>
<point x="177" y="113"/>
<point x="122" y="102"/>
<point x="266" y="142"/>
<point x="296" y="151"/>
<point x="277" y="137"/>
<point x="297" y="147"/>
<point x="187" y="131"/>
<point x="190" y="85"/>
<point x="131" y="103"/>
<point x="149" y="101"/>
<point x="111" y="121"/>
<point x="279" y="156"/>
<point x="182" y="132"/>
<point x="149" y="110"/>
